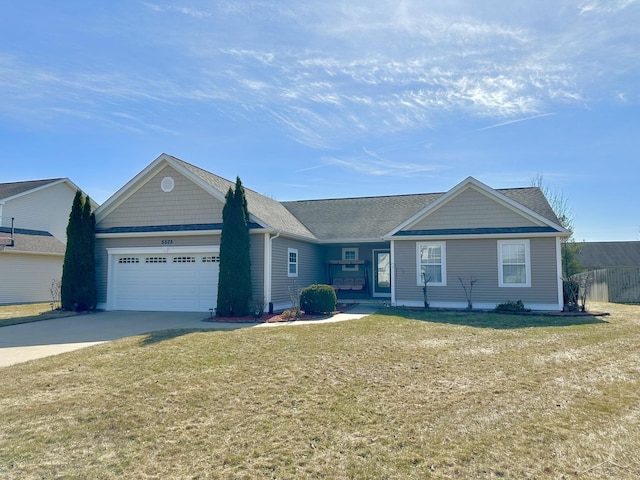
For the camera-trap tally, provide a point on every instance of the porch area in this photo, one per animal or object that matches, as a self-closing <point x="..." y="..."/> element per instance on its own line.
<point x="360" y="273"/>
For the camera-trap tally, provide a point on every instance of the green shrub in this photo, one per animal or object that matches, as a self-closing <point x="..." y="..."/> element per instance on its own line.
<point x="318" y="299"/>
<point x="512" y="306"/>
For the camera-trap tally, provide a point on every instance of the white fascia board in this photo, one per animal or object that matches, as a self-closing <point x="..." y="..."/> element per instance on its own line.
<point x="475" y="235"/>
<point x="499" y="197"/>
<point x="173" y="233"/>
<point x="145" y="250"/>
<point x="353" y="240"/>
<point x="59" y="181"/>
<point x="127" y="189"/>
<point x="13" y="251"/>
<point x="137" y="182"/>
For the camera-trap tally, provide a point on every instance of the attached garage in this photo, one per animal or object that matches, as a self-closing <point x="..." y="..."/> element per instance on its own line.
<point x="180" y="279"/>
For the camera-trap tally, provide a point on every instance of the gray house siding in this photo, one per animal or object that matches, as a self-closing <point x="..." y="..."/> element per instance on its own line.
<point x="257" y="267"/>
<point x="187" y="203"/>
<point x="471" y="209"/>
<point x="311" y="269"/>
<point x="477" y="258"/>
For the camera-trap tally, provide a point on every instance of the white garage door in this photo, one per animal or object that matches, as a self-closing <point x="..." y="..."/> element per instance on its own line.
<point x="179" y="282"/>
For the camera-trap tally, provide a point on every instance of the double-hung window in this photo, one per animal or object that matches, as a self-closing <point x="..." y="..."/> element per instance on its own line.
<point x="350" y="254"/>
<point x="514" y="263"/>
<point x="292" y="262"/>
<point x="432" y="263"/>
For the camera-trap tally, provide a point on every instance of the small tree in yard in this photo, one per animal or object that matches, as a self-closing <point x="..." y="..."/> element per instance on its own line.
<point x="78" y="290"/>
<point x="570" y="249"/>
<point x="234" y="284"/>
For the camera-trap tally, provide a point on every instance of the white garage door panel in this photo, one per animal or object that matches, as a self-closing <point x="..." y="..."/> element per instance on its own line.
<point x="180" y="282"/>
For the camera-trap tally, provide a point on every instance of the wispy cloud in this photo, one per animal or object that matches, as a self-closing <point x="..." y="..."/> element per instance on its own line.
<point x="607" y="6"/>
<point x="327" y="73"/>
<point x="177" y="9"/>
<point x="373" y="163"/>
<point x="518" y="120"/>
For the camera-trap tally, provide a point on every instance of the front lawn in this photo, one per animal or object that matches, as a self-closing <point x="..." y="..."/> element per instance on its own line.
<point x="398" y="395"/>
<point x="28" y="312"/>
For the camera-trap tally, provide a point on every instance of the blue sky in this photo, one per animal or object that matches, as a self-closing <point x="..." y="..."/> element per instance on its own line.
<point x="321" y="99"/>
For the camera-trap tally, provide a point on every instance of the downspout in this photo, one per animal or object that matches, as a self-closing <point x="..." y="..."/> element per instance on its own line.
<point x="268" y="258"/>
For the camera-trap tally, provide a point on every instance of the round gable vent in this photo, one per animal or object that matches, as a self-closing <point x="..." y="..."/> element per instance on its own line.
<point x="167" y="184"/>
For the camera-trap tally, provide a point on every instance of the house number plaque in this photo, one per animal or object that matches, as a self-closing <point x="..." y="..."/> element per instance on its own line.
<point x="167" y="242"/>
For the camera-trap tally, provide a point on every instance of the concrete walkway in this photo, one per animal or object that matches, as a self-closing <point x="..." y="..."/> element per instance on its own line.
<point x="28" y="341"/>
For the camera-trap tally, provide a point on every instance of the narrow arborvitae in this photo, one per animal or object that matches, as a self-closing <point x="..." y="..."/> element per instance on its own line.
<point x="234" y="283"/>
<point x="72" y="267"/>
<point x="78" y="290"/>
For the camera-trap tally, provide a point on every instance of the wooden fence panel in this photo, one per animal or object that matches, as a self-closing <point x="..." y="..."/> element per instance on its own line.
<point x="617" y="285"/>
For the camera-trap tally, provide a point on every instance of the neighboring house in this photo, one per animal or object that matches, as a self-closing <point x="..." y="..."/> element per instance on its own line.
<point x="40" y="211"/>
<point x="613" y="271"/>
<point x="158" y="240"/>
<point x="597" y="255"/>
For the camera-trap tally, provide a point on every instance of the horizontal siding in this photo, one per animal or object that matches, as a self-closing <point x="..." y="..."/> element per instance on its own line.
<point x="28" y="278"/>
<point x="310" y="268"/>
<point x="257" y="267"/>
<point x="187" y="203"/>
<point x="477" y="258"/>
<point x="471" y="209"/>
<point x="47" y="209"/>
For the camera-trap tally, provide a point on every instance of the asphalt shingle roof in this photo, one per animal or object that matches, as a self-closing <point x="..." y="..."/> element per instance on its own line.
<point x="266" y="209"/>
<point x="349" y="219"/>
<point x="373" y="217"/>
<point x="594" y="255"/>
<point x="16" y="188"/>
<point x="33" y="241"/>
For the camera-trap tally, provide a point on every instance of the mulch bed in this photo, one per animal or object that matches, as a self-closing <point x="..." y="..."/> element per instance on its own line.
<point x="276" y="317"/>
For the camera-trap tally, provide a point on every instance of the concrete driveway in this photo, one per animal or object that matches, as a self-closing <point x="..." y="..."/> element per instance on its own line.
<point x="28" y="341"/>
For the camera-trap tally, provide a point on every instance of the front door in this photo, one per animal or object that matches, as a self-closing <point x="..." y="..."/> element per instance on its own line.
<point x="381" y="273"/>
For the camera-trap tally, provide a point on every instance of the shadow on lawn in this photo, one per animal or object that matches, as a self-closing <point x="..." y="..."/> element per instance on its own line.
<point x="158" y="336"/>
<point x="498" y="321"/>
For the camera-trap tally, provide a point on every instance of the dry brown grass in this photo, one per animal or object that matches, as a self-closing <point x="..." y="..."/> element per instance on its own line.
<point x="23" y="310"/>
<point x="400" y="395"/>
<point x="28" y="312"/>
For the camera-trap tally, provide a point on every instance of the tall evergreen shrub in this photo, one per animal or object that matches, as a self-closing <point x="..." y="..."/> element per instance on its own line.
<point x="234" y="282"/>
<point x="78" y="291"/>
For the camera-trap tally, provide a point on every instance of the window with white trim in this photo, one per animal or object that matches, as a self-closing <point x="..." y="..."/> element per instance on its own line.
<point x="350" y="254"/>
<point x="292" y="263"/>
<point x="514" y="263"/>
<point x="432" y="263"/>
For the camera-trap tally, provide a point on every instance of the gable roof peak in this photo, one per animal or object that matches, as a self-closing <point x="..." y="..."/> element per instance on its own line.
<point x="14" y="189"/>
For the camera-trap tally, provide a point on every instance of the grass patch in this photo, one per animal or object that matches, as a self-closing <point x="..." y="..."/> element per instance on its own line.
<point x="383" y="397"/>
<point x="25" y="313"/>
